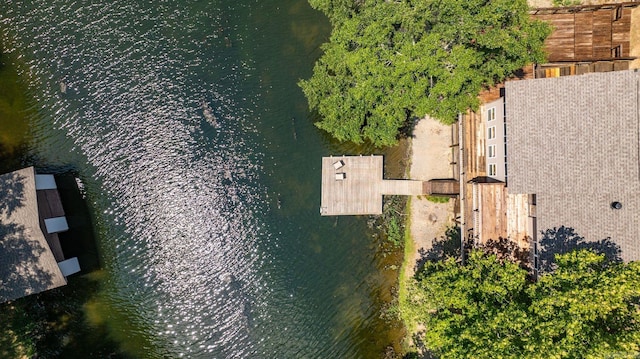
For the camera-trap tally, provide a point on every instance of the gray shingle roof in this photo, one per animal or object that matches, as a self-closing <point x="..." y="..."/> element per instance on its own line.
<point x="573" y="134"/>
<point x="574" y="141"/>
<point x="591" y="217"/>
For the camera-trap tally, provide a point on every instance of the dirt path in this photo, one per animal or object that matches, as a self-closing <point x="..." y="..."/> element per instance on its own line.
<point x="431" y="156"/>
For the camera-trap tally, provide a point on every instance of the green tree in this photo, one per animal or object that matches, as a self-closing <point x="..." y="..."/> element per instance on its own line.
<point x="337" y="10"/>
<point x="390" y="61"/>
<point x="586" y="308"/>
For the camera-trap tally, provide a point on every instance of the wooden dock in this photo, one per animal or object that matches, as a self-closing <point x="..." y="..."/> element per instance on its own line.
<point x="49" y="206"/>
<point x="354" y="185"/>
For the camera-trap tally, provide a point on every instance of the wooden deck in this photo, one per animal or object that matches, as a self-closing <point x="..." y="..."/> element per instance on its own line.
<point x="360" y="191"/>
<point x="520" y="214"/>
<point x="587" y="33"/>
<point x="497" y="214"/>
<point x="489" y="211"/>
<point x="442" y="187"/>
<point x="495" y="92"/>
<point x="473" y="165"/>
<point x="49" y="206"/>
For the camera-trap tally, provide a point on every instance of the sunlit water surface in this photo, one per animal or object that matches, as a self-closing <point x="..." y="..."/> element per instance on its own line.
<point x="185" y="123"/>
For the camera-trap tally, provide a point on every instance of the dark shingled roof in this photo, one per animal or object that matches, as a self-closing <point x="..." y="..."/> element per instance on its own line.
<point x="574" y="142"/>
<point x="27" y="264"/>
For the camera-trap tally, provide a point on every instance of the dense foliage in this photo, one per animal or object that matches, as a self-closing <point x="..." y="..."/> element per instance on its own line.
<point x="587" y="308"/>
<point x="54" y="324"/>
<point x="390" y="61"/>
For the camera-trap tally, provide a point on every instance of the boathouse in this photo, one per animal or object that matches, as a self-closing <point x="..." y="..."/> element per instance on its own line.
<point x="31" y="216"/>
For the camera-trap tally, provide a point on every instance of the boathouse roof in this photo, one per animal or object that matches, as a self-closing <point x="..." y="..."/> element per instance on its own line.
<point x="27" y="264"/>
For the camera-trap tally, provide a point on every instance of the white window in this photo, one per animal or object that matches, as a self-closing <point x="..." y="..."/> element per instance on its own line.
<point x="491" y="133"/>
<point x="492" y="151"/>
<point x="491" y="114"/>
<point x="492" y="169"/>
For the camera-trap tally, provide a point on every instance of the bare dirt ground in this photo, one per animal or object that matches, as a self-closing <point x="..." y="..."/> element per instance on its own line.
<point x="539" y="3"/>
<point x="431" y="156"/>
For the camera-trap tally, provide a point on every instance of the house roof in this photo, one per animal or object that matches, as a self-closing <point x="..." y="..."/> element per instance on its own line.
<point x="574" y="142"/>
<point x="27" y="264"/>
<point x="616" y="232"/>
<point x="574" y="134"/>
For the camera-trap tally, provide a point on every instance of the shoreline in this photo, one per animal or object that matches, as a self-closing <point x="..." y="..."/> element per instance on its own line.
<point x="430" y="156"/>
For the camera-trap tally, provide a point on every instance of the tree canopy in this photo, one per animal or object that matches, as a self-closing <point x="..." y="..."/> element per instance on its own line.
<point x="587" y="308"/>
<point x="390" y="61"/>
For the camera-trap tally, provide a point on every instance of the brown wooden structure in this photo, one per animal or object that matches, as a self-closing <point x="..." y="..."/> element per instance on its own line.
<point x="49" y="206"/>
<point x="442" y="187"/>
<point x="588" y="33"/>
<point x="472" y="165"/>
<point x="354" y="185"/>
<point x="488" y="210"/>
<point x="569" y="69"/>
<point x="584" y="39"/>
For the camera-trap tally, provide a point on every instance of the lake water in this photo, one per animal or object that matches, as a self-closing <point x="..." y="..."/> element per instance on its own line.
<point x="202" y="171"/>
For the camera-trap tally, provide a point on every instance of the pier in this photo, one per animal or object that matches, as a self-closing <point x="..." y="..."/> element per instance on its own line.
<point x="354" y="185"/>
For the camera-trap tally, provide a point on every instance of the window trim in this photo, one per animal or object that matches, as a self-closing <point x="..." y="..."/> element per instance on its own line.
<point x="616" y="51"/>
<point x="491" y="114"/>
<point x="495" y="169"/>
<point x="491" y="151"/>
<point x="491" y="131"/>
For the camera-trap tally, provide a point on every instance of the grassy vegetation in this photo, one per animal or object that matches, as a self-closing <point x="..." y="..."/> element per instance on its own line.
<point x="493" y="303"/>
<point x="447" y="246"/>
<point x="566" y="2"/>
<point x="388" y="231"/>
<point x="392" y="223"/>
<point x="437" y="199"/>
<point x="405" y="277"/>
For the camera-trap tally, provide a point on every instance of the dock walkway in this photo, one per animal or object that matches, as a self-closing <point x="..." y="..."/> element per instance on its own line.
<point x="354" y="185"/>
